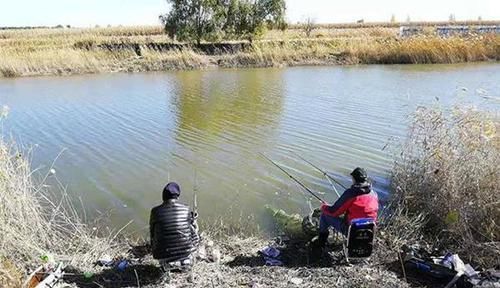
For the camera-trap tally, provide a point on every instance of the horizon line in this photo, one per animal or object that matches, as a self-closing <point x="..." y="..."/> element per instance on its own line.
<point x="356" y="23"/>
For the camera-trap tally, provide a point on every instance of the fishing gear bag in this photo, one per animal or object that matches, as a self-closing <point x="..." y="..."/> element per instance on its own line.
<point x="420" y="261"/>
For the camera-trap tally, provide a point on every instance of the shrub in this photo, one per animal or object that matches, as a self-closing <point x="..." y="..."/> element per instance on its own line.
<point x="448" y="173"/>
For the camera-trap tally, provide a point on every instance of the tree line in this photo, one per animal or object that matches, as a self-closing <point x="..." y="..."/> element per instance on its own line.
<point x="215" y="20"/>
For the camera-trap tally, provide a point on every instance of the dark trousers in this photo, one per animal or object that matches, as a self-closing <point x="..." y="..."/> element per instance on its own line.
<point x="338" y="223"/>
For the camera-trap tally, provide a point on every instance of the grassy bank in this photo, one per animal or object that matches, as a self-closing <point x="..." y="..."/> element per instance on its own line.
<point x="77" y="51"/>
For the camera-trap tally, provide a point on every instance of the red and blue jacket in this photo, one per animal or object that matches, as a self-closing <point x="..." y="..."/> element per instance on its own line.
<point x="359" y="201"/>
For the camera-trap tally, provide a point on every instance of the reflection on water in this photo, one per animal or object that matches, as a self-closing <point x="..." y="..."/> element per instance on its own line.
<point x="125" y="135"/>
<point x="222" y="121"/>
<point x="227" y="103"/>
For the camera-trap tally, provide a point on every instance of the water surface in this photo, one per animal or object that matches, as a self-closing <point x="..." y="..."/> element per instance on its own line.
<point x="123" y="136"/>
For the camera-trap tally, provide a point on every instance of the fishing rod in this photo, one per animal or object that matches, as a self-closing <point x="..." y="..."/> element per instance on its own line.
<point x="328" y="177"/>
<point x="293" y="178"/>
<point x="194" y="213"/>
<point x="195" y="194"/>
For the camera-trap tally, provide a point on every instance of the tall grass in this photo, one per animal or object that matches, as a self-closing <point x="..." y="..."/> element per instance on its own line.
<point x="37" y="220"/>
<point x="426" y="49"/>
<point x="446" y="179"/>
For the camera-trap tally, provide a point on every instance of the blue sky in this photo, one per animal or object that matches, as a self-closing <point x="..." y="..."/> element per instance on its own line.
<point x="87" y="13"/>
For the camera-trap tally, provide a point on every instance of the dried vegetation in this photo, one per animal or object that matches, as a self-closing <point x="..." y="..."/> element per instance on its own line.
<point x="446" y="183"/>
<point x="36" y="221"/>
<point x="128" y="49"/>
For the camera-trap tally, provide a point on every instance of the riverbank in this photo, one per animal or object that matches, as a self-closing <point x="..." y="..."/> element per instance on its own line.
<point x="38" y="222"/>
<point x="134" y="49"/>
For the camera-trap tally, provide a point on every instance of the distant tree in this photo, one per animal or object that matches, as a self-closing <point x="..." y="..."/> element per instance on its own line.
<point x="408" y="19"/>
<point x="308" y="26"/>
<point x="254" y="16"/>
<point x="68" y="26"/>
<point x="190" y="20"/>
<point x="451" y="18"/>
<point x="59" y="26"/>
<point x="228" y="13"/>
<point x="197" y="20"/>
<point x="393" y="18"/>
<point x="479" y="18"/>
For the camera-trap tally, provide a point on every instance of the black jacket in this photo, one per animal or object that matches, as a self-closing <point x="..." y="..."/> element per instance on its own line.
<point x="173" y="236"/>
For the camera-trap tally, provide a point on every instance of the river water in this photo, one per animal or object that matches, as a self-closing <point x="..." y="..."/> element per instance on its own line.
<point x="124" y="136"/>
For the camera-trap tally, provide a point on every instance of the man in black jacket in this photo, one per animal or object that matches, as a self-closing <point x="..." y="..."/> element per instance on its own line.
<point x="173" y="230"/>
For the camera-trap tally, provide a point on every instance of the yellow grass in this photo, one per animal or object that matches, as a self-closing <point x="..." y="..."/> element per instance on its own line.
<point x="37" y="220"/>
<point x="76" y="51"/>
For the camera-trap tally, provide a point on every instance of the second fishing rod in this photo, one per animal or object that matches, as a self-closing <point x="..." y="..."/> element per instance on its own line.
<point x="327" y="176"/>
<point x="294" y="179"/>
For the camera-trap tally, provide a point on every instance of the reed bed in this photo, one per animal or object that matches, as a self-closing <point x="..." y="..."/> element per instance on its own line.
<point x="446" y="183"/>
<point x="128" y="49"/>
<point x="425" y="49"/>
<point x="37" y="220"/>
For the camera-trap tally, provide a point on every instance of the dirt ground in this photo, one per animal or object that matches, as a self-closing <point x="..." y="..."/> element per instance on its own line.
<point x="240" y="265"/>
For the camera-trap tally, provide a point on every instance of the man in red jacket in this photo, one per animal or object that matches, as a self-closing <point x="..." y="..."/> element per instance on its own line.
<point x="359" y="201"/>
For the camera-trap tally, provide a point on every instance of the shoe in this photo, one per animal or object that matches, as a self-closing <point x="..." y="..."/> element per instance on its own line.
<point x="323" y="239"/>
<point x="318" y="247"/>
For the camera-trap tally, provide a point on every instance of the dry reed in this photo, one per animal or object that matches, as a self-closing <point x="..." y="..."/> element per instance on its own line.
<point x="446" y="178"/>
<point x="37" y="220"/>
<point x="426" y="50"/>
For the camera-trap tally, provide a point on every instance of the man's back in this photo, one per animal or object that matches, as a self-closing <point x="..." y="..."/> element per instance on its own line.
<point x="171" y="231"/>
<point x="359" y="201"/>
<point x="364" y="203"/>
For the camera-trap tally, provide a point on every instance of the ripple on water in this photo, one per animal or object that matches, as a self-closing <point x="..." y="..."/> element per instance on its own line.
<point x="128" y="134"/>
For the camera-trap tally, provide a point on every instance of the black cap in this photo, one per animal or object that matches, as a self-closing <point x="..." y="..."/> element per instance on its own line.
<point x="171" y="191"/>
<point x="359" y="174"/>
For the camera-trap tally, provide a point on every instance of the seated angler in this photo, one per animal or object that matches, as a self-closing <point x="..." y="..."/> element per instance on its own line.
<point x="173" y="231"/>
<point x="359" y="201"/>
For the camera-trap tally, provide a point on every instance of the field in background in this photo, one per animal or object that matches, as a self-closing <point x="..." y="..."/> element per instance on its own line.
<point x="25" y="52"/>
<point x="398" y="24"/>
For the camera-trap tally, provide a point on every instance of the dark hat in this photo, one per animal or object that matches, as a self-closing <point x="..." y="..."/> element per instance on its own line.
<point x="171" y="191"/>
<point x="359" y="174"/>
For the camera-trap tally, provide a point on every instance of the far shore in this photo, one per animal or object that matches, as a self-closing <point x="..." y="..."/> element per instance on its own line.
<point x="33" y="52"/>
